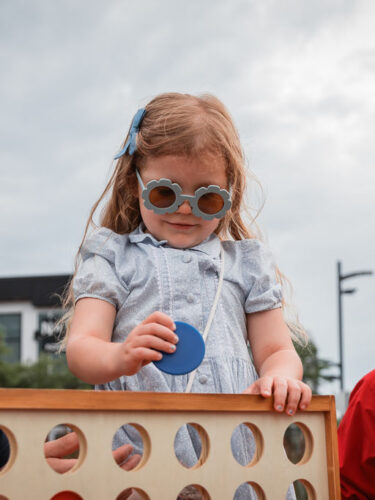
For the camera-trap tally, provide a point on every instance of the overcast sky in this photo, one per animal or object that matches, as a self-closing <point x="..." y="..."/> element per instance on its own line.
<point x="299" y="80"/>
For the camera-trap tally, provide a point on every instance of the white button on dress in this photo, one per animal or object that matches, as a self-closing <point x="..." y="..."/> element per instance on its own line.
<point x="186" y="258"/>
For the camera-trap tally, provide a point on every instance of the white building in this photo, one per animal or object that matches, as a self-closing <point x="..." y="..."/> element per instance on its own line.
<point x="29" y="307"/>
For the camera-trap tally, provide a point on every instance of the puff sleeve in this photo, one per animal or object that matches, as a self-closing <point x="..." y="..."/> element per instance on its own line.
<point x="97" y="274"/>
<point x="263" y="289"/>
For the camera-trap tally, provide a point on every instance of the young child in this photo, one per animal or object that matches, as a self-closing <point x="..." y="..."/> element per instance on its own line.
<point x="171" y="217"/>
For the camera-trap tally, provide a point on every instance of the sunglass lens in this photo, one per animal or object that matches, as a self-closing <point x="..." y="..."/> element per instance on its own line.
<point x="162" y="196"/>
<point x="210" y="203"/>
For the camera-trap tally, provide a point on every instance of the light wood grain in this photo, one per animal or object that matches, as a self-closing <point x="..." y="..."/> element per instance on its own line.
<point x="27" y="415"/>
<point x="48" y="399"/>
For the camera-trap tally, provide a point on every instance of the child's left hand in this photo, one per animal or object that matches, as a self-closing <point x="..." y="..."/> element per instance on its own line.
<point x="289" y="393"/>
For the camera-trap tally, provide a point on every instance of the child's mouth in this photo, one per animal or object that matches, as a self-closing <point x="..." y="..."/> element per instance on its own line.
<point x="181" y="226"/>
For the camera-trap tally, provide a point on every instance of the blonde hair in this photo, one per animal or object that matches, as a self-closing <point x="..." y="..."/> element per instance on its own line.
<point x="180" y="125"/>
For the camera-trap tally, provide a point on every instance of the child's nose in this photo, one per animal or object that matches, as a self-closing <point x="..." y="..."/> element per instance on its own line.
<point x="184" y="208"/>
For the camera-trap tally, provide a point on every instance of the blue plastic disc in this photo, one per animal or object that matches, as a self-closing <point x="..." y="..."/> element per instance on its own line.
<point x="189" y="351"/>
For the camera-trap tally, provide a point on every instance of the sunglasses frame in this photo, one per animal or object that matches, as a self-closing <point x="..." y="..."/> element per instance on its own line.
<point x="180" y="198"/>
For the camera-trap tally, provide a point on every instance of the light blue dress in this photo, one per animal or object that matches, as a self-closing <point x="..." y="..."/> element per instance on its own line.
<point x="139" y="275"/>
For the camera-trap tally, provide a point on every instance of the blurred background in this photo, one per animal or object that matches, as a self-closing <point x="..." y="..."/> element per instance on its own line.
<point x="299" y="81"/>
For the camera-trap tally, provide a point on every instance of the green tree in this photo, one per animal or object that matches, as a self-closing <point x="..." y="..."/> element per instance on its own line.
<point x="314" y="368"/>
<point x="3" y="347"/>
<point x="49" y="372"/>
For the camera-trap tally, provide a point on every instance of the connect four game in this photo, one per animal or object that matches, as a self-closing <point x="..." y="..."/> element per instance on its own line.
<point x="27" y="416"/>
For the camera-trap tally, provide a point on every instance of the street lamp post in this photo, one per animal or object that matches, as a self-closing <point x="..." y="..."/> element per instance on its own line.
<point x="340" y="278"/>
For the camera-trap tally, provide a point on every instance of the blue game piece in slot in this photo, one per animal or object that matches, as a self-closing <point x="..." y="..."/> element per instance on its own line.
<point x="189" y="351"/>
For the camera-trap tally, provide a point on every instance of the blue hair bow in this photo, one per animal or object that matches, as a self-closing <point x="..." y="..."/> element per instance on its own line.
<point x="131" y="143"/>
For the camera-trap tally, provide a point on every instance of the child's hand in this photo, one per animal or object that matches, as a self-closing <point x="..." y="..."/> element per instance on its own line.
<point x="56" y="450"/>
<point x="288" y="393"/>
<point x="154" y="334"/>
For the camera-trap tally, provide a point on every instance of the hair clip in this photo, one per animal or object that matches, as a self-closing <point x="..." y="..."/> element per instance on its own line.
<point x="131" y="143"/>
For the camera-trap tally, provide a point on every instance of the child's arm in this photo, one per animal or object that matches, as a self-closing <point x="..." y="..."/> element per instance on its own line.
<point x="92" y="356"/>
<point x="279" y="366"/>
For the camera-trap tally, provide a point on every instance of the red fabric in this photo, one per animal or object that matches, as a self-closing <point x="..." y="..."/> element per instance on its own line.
<point x="356" y="436"/>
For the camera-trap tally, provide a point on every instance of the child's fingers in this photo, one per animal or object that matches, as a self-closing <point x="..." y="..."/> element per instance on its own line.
<point x="121" y="453"/>
<point x="265" y="386"/>
<point x="252" y="389"/>
<point x="294" y="396"/>
<point x="280" y="391"/>
<point x="287" y="392"/>
<point x="155" y="329"/>
<point x="131" y="463"/>
<point x="61" y="465"/>
<point x="161" y="318"/>
<point x="305" y="396"/>
<point x="62" y="446"/>
<point x="144" y="355"/>
<point x="153" y="342"/>
<point x="261" y="386"/>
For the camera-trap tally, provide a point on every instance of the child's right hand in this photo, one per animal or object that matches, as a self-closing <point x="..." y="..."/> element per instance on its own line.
<point x="154" y="334"/>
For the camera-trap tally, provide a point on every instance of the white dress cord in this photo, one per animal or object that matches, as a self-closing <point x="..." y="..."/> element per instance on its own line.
<point x="211" y="316"/>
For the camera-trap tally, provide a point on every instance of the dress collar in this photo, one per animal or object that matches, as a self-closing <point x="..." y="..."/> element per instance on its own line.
<point x="210" y="246"/>
<point x="140" y="236"/>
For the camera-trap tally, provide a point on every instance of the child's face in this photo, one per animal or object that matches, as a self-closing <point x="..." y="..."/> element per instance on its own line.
<point x="182" y="229"/>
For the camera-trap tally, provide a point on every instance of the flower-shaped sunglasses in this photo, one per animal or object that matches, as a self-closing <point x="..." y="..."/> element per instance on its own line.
<point x="164" y="196"/>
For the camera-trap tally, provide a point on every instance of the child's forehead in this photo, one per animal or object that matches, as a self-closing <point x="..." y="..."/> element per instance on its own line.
<point x="197" y="167"/>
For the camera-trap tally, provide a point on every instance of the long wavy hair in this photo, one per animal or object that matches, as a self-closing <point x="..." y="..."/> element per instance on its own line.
<point x="180" y="125"/>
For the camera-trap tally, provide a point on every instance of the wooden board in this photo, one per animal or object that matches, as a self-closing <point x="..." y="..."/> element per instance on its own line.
<point x="27" y="415"/>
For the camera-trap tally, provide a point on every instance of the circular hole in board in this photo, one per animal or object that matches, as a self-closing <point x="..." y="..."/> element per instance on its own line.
<point x="131" y="446"/>
<point x="247" y="444"/>
<point x="303" y="490"/>
<point x="298" y="443"/>
<point x="191" y="445"/>
<point x="133" y="494"/>
<point x="249" y="490"/>
<point x="65" y="448"/>
<point x="8" y="449"/>
<point x="193" y="492"/>
<point x="66" y="495"/>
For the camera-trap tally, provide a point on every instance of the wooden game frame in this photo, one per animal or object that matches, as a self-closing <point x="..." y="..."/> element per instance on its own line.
<point x="27" y="415"/>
